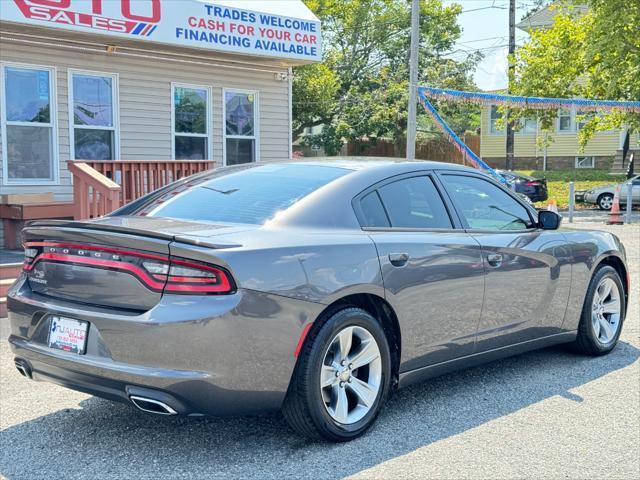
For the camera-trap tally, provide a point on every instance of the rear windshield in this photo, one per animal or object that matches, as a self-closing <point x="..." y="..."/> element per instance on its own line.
<point x="251" y="196"/>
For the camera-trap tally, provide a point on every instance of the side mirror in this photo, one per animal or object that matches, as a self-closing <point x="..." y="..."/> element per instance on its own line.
<point x="548" y="220"/>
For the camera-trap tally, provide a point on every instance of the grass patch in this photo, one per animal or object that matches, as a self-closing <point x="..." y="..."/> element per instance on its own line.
<point x="558" y="183"/>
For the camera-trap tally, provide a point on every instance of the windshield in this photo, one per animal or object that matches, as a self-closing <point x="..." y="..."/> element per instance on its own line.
<point x="251" y="195"/>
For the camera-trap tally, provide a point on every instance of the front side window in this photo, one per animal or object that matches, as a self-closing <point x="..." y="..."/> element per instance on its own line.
<point x="240" y="127"/>
<point x="28" y="118"/>
<point x="93" y="106"/>
<point x="191" y="124"/>
<point x="486" y="206"/>
<point x="414" y="203"/>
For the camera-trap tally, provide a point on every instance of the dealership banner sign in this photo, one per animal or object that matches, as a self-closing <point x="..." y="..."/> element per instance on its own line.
<point x="185" y="23"/>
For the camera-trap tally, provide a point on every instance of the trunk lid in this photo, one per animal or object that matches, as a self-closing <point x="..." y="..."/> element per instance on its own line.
<point x="110" y="262"/>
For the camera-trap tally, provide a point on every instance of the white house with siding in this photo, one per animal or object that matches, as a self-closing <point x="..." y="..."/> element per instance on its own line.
<point x="561" y="149"/>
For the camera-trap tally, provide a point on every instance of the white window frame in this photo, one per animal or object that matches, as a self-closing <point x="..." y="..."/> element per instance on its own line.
<point x="256" y="122"/>
<point x="593" y="161"/>
<point x="115" y="100"/>
<point x="53" y="124"/>
<point x="522" y="131"/>
<point x="492" y="130"/>
<point x="575" y="128"/>
<point x="572" y="122"/>
<point x="208" y="134"/>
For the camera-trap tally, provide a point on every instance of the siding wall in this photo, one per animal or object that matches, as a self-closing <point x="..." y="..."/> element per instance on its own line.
<point x="603" y="144"/>
<point x="145" y="103"/>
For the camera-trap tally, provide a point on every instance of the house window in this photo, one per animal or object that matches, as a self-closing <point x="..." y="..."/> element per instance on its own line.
<point x="528" y="126"/>
<point x="93" y="102"/>
<point x="29" y="137"/>
<point x="582" y="118"/>
<point x="241" y="126"/>
<point x="191" y="122"/>
<point x="495" y="115"/>
<point x="585" y="162"/>
<point x="565" y="120"/>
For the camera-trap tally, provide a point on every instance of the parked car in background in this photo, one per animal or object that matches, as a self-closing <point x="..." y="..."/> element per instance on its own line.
<point x="312" y="287"/>
<point x="603" y="196"/>
<point x="525" y="199"/>
<point x="534" y="188"/>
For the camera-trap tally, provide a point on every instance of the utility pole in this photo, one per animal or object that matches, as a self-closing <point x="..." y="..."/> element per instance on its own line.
<point x="413" y="80"/>
<point x="512" y="49"/>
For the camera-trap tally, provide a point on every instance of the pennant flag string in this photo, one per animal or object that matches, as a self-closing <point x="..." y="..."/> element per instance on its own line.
<point x="536" y="103"/>
<point x="462" y="147"/>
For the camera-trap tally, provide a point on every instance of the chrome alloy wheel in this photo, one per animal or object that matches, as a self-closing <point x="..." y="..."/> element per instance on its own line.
<point x="606" y="310"/>
<point x="351" y="375"/>
<point x="606" y="202"/>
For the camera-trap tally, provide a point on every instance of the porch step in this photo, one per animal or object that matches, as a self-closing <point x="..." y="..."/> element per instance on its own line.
<point x="10" y="270"/>
<point x="619" y="168"/>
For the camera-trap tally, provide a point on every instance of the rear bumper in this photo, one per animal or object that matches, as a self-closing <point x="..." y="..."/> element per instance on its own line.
<point x="539" y="196"/>
<point x="202" y="355"/>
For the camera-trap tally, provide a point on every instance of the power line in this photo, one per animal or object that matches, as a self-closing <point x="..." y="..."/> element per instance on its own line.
<point x="483" y="8"/>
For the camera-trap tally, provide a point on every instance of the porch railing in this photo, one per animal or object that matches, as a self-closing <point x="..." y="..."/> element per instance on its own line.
<point x="139" y="177"/>
<point x="94" y="195"/>
<point x="94" y="179"/>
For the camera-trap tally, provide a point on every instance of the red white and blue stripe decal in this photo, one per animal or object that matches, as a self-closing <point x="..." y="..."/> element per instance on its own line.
<point x="144" y="29"/>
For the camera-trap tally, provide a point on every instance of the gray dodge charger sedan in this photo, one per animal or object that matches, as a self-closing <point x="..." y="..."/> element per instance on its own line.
<point x="316" y="288"/>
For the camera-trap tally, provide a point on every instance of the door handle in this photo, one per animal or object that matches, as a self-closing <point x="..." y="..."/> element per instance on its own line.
<point x="398" y="259"/>
<point x="494" y="259"/>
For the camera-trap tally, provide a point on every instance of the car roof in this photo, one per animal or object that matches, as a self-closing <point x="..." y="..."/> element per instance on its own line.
<point x="390" y="165"/>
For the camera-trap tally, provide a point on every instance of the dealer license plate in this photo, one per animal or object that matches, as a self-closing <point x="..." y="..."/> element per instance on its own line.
<point x="68" y="334"/>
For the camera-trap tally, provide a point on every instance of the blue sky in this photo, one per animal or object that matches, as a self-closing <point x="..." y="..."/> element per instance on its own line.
<point x="485" y="26"/>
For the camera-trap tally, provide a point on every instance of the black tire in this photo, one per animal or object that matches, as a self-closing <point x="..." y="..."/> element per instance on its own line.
<point x="304" y="407"/>
<point x="587" y="342"/>
<point x="604" y="200"/>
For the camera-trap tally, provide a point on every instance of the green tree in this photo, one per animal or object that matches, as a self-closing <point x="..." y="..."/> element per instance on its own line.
<point x="360" y="90"/>
<point x="594" y="55"/>
<point x="315" y="96"/>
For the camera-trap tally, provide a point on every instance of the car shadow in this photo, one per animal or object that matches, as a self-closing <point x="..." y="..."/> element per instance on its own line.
<point x="101" y="439"/>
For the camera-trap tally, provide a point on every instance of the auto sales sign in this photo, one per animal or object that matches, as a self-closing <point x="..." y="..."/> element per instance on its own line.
<point x="186" y="23"/>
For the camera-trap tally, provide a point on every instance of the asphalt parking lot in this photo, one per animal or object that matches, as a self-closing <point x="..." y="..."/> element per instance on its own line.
<point x="547" y="414"/>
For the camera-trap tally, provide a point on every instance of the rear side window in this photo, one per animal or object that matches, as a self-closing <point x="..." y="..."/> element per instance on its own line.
<point x="414" y="203"/>
<point x="486" y="206"/>
<point x="373" y="214"/>
<point x="249" y="195"/>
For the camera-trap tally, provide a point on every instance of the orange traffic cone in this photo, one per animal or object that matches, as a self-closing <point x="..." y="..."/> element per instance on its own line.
<point x="553" y="206"/>
<point x="614" y="216"/>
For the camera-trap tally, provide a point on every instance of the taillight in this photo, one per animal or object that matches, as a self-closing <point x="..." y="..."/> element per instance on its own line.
<point x="157" y="272"/>
<point x="30" y="255"/>
<point x="183" y="276"/>
<point x="533" y="183"/>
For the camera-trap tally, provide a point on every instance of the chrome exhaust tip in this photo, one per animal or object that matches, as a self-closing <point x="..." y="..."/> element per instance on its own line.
<point x="23" y="368"/>
<point x="150" y="405"/>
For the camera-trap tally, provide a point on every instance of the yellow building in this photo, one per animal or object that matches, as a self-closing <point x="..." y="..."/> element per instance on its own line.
<point x="562" y="151"/>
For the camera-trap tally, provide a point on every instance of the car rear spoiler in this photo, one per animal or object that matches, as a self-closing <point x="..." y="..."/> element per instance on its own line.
<point x="88" y="225"/>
